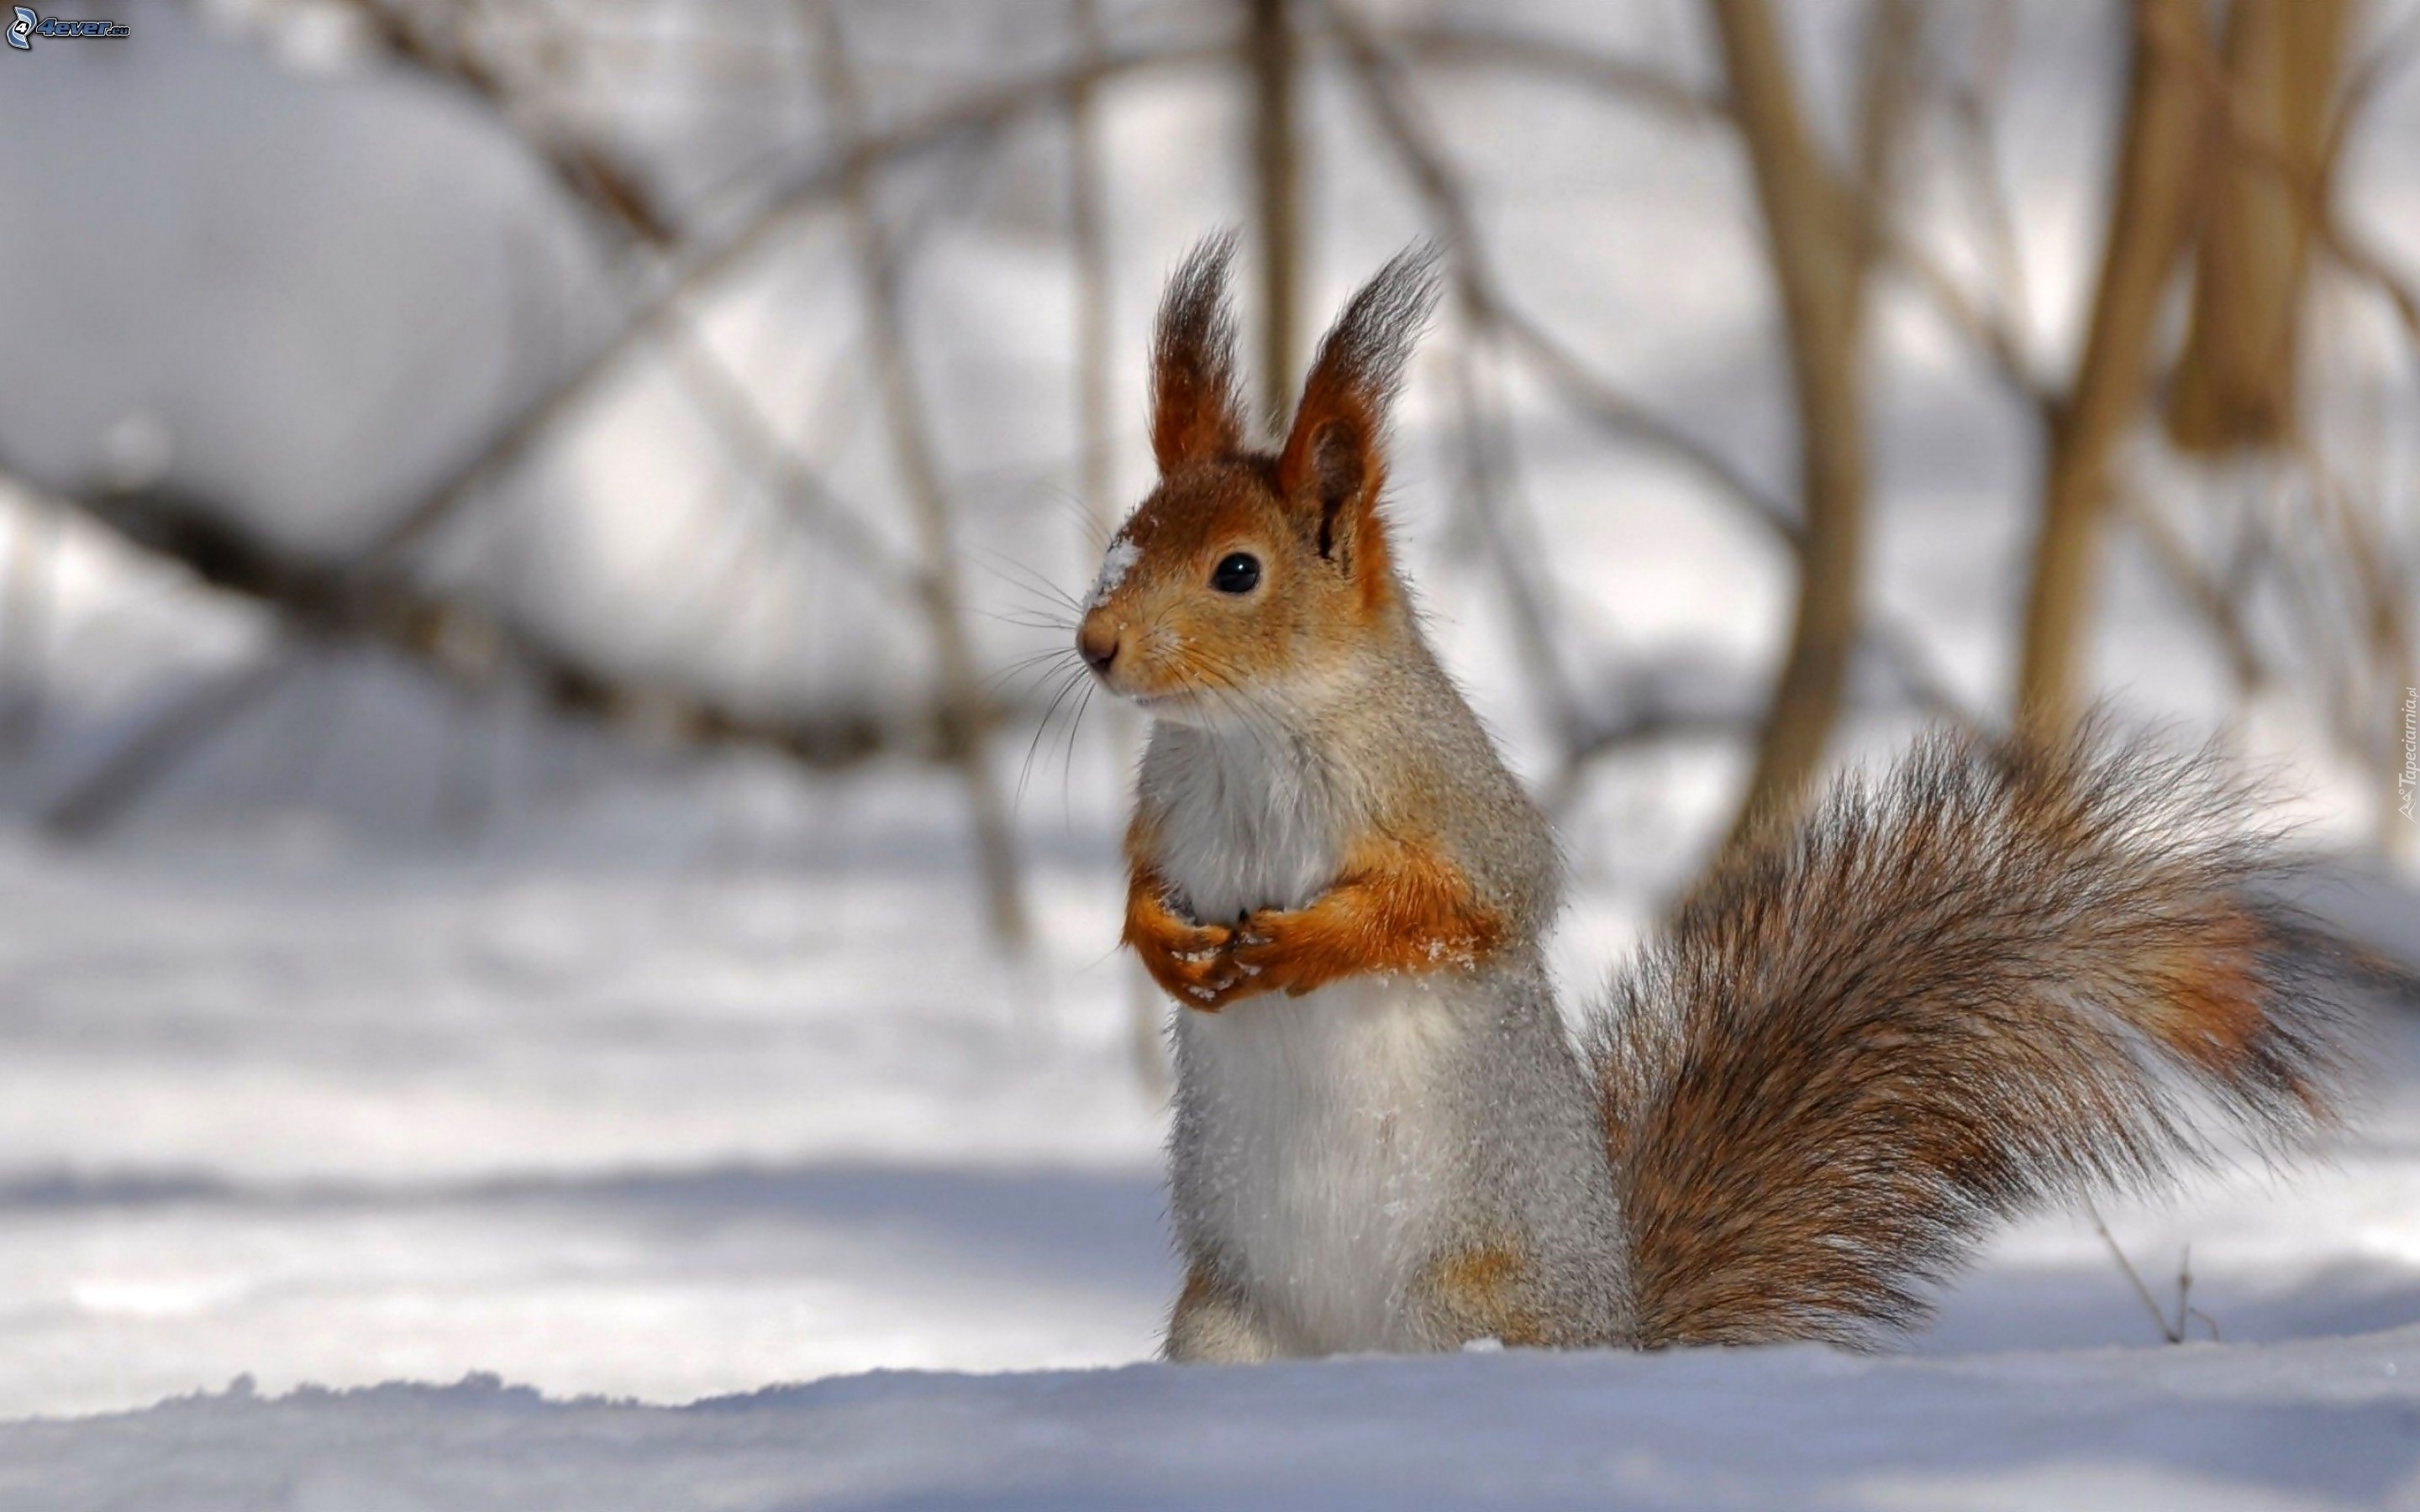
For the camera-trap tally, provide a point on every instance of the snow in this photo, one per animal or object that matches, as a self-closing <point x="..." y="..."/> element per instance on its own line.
<point x="632" y="1137"/>
<point x="1119" y="560"/>
<point x="2199" y="1427"/>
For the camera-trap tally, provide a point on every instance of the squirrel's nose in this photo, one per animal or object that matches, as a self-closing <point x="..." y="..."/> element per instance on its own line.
<point x="1097" y="643"/>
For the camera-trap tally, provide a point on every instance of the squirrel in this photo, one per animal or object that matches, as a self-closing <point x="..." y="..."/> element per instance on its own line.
<point x="2008" y="973"/>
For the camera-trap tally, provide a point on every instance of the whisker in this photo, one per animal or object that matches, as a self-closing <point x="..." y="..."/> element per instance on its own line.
<point x="1033" y="747"/>
<point x="1025" y="667"/>
<point x="1068" y="759"/>
<point x="1030" y="579"/>
<point x="1026" y="620"/>
<point x="1096" y="532"/>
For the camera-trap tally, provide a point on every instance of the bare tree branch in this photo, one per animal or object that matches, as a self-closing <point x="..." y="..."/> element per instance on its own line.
<point x="24" y="623"/>
<point x="2188" y="51"/>
<point x="1484" y="461"/>
<point x="455" y="638"/>
<point x="1819" y="259"/>
<point x="1270" y="49"/>
<point x="1485" y="308"/>
<point x="2149" y="217"/>
<point x="2234" y="381"/>
<point x="197" y="713"/>
<point x="920" y="475"/>
<point x="694" y="267"/>
<point x="1096" y="465"/>
<point x="1465" y="43"/>
<point x="591" y="174"/>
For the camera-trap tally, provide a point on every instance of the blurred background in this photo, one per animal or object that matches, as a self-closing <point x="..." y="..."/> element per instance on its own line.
<point x="544" y="823"/>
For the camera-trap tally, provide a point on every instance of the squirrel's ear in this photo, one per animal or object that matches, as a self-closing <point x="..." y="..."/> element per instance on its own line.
<point x="1334" y="465"/>
<point x="1195" y="412"/>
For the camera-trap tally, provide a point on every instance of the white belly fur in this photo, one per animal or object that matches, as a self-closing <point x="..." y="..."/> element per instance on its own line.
<point x="1321" y="1136"/>
<point x="1318" y="1128"/>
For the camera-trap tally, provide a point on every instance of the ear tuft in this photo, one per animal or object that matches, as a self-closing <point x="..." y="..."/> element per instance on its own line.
<point x="1195" y="410"/>
<point x="1333" y="467"/>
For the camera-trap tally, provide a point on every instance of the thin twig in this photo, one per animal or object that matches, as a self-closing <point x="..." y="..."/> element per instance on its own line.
<point x="24" y="623"/>
<point x="1592" y="396"/>
<point x="463" y="641"/>
<point x="2142" y="1292"/>
<point x="1088" y="240"/>
<point x="198" y="713"/>
<point x="2210" y="600"/>
<point x="918" y="470"/>
<point x="696" y="265"/>
<point x="1468" y="44"/>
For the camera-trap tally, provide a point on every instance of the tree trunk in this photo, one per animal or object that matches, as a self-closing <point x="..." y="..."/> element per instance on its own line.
<point x="920" y="475"/>
<point x="1276" y="167"/>
<point x="2235" y="383"/>
<point x="1818" y="252"/>
<point x="1096" y="470"/>
<point x="2149" y="221"/>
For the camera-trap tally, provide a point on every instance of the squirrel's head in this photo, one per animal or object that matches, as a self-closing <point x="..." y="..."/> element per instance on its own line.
<point x="1249" y="575"/>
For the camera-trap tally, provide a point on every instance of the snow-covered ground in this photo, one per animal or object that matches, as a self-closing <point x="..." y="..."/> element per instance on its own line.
<point x="2200" y="1428"/>
<point x="606" y="1127"/>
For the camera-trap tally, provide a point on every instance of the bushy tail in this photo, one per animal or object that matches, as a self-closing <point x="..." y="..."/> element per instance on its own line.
<point x="2000" y="977"/>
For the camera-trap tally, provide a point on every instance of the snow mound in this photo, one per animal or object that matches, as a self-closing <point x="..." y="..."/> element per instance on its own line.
<point x="2308" y="1424"/>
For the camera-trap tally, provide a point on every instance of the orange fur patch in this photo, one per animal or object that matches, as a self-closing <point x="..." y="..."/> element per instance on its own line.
<point x="1481" y="1290"/>
<point x="1200" y="1290"/>
<point x="1191" y="962"/>
<point x="1397" y="908"/>
<point x="2210" y="1008"/>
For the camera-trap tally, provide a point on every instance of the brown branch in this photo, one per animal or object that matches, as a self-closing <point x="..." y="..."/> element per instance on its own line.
<point x="592" y="174"/>
<point x="1476" y="290"/>
<point x="1270" y="49"/>
<point x="1484" y="494"/>
<point x="196" y="714"/>
<point x="1088" y="241"/>
<point x="694" y="268"/>
<point x="1485" y="308"/>
<point x="2206" y="597"/>
<point x="2234" y="381"/>
<point x="24" y="623"/>
<point x="1819" y="261"/>
<point x="730" y="410"/>
<point x="1650" y="715"/>
<point x="1621" y="414"/>
<point x="2188" y="51"/>
<point x="2148" y="219"/>
<point x="1989" y="331"/>
<point x="1088" y="246"/>
<point x="589" y="174"/>
<point x="918" y="465"/>
<point x="452" y="635"/>
<point x="1973" y="112"/>
<point x="1471" y="44"/>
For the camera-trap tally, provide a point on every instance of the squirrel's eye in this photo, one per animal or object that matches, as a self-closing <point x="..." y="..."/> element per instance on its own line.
<point x="1238" y="572"/>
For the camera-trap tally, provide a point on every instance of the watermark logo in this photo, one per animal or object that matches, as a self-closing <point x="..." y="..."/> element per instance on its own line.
<point x="28" y="26"/>
<point x="2407" y="781"/>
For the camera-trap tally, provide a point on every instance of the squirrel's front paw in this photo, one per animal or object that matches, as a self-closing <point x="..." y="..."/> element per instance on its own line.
<point x="1269" y="953"/>
<point x="1192" y="964"/>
